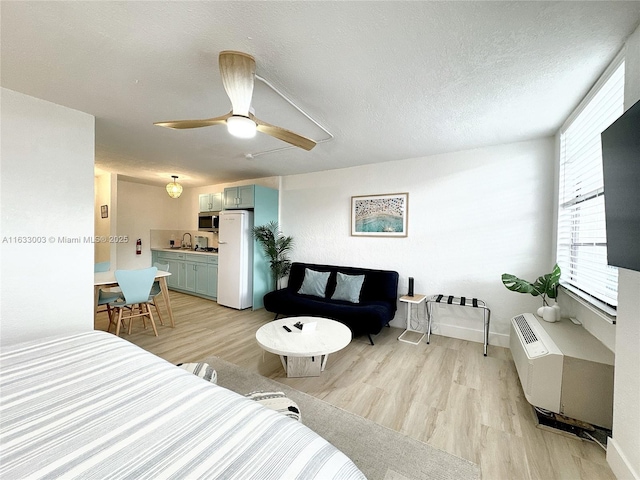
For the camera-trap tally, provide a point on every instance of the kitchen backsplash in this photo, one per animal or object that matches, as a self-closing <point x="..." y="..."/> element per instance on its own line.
<point x="162" y="238"/>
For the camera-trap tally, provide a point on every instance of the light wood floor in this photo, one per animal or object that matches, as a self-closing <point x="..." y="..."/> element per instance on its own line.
<point x="446" y="394"/>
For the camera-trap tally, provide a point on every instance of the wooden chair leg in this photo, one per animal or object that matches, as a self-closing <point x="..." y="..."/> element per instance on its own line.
<point x="118" y="322"/>
<point x="141" y="313"/>
<point x="112" y="319"/>
<point x="110" y="322"/>
<point x="131" y="319"/>
<point x="155" y="304"/>
<point x="126" y="321"/>
<point x="153" y="324"/>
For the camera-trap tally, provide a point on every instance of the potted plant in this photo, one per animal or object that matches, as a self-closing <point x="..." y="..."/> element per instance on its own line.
<point x="544" y="286"/>
<point x="276" y="247"/>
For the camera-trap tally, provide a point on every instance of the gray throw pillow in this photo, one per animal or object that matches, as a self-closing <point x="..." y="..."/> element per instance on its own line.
<point x="314" y="283"/>
<point x="348" y="287"/>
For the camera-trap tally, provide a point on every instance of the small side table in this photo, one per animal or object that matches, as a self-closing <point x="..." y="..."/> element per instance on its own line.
<point x="410" y="334"/>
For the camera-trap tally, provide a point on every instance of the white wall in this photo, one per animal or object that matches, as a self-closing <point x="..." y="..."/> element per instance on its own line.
<point x="142" y="208"/>
<point x="47" y="156"/>
<point x="623" y="452"/>
<point x="102" y="192"/>
<point x="473" y="215"/>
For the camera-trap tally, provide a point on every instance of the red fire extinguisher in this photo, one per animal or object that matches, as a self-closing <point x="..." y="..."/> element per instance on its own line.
<point x="139" y="247"/>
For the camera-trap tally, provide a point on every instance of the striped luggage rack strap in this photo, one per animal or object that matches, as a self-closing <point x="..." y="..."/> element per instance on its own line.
<point x="462" y="302"/>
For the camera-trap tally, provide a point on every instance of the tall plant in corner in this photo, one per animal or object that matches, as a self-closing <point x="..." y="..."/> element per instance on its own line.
<point x="277" y="247"/>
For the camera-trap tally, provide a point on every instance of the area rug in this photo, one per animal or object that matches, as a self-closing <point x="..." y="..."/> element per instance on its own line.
<point x="379" y="452"/>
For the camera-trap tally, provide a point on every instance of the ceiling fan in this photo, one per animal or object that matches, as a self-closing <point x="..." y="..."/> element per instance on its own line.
<point x="238" y="72"/>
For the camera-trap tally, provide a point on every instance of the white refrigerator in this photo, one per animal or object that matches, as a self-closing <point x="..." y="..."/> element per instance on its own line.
<point x="235" y="259"/>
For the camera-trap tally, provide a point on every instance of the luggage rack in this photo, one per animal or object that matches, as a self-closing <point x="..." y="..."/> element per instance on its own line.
<point x="462" y="302"/>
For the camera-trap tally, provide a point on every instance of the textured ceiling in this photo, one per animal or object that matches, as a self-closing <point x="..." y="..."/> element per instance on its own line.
<point x="389" y="80"/>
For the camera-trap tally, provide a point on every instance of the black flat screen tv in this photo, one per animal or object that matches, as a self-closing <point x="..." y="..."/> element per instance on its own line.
<point x="621" y="169"/>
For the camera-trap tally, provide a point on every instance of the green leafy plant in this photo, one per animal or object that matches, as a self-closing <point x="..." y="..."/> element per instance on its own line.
<point x="276" y="246"/>
<point x="544" y="286"/>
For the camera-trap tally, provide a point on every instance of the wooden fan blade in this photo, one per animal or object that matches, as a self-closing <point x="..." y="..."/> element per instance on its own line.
<point x="238" y="72"/>
<point x="207" y="122"/>
<point x="283" y="134"/>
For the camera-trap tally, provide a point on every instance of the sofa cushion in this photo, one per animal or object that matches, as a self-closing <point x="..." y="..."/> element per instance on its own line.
<point x="348" y="287"/>
<point x="314" y="283"/>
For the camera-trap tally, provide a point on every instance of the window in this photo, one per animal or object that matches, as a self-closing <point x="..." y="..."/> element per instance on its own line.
<point x="582" y="237"/>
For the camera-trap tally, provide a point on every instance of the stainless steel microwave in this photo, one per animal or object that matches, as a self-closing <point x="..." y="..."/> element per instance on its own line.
<point x="208" y="221"/>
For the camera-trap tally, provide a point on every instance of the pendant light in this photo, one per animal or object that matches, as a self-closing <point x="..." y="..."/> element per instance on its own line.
<point x="174" y="189"/>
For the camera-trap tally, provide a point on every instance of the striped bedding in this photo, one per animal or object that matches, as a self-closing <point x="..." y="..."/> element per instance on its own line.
<point x="93" y="405"/>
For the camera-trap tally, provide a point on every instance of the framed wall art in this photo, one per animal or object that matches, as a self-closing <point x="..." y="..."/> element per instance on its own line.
<point x="379" y="215"/>
<point x="104" y="211"/>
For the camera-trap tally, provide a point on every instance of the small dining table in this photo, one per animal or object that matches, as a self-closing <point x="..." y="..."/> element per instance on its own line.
<point x="108" y="279"/>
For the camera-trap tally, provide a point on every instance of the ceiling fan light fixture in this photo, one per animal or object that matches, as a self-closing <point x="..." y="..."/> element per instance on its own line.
<point x="238" y="74"/>
<point x="174" y="189"/>
<point x="241" y="127"/>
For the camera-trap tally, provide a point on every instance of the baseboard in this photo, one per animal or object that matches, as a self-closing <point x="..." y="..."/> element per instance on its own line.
<point x="498" y="339"/>
<point x="461" y="333"/>
<point x="619" y="463"/>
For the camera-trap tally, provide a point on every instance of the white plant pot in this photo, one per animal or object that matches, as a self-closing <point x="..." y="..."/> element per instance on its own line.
<point x="550" y="314"/>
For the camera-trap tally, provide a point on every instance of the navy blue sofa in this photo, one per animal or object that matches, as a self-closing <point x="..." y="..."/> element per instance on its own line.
<point x="376" y="307"/>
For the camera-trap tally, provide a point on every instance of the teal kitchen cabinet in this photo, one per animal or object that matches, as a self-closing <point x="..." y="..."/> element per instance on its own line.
<point x="190" y="276"/>
<point x="239" y="197"/>
<point x="197" y="275"/>
<point x="176" y="266"/>
<point x="202" y="279"/>
<point x="210" y="202"/>
<point x="191" y="273"/>
<point x="211" y="275"/>
<point x="181" y="274"/>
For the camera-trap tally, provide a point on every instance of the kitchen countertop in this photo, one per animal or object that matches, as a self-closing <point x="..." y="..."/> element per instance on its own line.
<point x="184" y="250"/>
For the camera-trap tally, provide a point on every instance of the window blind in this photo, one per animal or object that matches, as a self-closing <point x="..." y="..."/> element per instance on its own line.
<point x="582" y="236"/>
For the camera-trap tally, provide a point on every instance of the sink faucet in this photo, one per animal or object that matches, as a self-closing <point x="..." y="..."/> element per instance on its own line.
<point x="188" y="245"/>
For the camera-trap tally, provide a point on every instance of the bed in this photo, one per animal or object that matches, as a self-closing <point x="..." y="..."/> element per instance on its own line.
<point x="93" y="405"/>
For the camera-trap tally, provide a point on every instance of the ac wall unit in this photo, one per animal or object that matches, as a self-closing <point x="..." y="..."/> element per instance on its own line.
<point x="538" y="361"/>
<point x="563" y="368"/>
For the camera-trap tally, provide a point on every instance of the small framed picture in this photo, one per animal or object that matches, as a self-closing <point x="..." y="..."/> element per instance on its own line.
<point x="104" y="211"/>
<point x="380" y="215"/>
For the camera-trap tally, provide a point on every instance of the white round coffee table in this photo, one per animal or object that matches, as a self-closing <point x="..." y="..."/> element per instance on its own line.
<point x="303" y="354"/>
